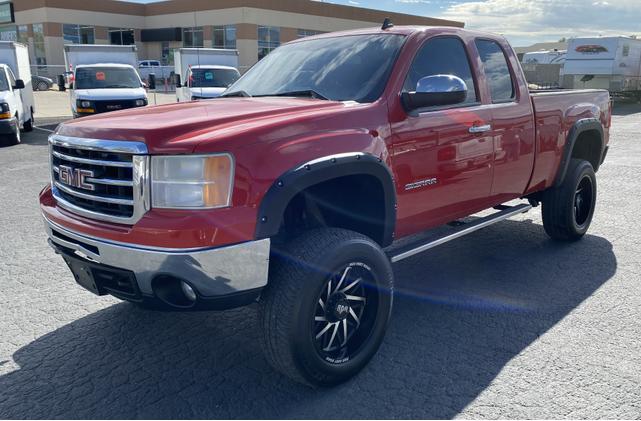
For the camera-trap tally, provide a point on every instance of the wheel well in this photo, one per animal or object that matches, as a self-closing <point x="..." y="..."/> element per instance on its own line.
<point x="588" y="147"/>
<point x="354" y="202"/>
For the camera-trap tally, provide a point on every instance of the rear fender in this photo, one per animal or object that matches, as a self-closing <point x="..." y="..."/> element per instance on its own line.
<point x="581" y="126"/>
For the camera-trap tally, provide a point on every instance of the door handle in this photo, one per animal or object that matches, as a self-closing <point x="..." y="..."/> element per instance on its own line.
<point x="480" y="129"/>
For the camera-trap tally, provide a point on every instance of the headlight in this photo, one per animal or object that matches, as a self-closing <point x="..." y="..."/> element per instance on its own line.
<point x="141" y="102"/>
<point x="192" y="182"/>
<point x="5" y="110"/>
<point x="84" y="106"/>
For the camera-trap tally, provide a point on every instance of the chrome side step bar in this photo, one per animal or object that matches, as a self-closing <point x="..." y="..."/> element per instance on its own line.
<point x="463" y="230"/>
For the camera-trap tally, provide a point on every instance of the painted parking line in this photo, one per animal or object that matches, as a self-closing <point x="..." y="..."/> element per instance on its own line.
<point x="43" y="129"/>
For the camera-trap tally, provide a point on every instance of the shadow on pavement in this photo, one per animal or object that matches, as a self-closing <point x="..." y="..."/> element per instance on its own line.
<point x="624" y="108"/>
<point x="462" y="312"/>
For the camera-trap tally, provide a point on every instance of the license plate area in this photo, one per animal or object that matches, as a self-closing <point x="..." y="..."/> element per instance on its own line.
<point x="101" y="279"/>
<point x="83" y="275"/>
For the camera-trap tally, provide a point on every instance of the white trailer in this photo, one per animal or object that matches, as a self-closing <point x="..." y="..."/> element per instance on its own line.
<point x="612" y="63"/>
<point x="16" y="91"/>
<point x="544" y="69"/>
<point x="545" y="57"/>
<point x="204" y="72"/>
<point x="104" y="78"/>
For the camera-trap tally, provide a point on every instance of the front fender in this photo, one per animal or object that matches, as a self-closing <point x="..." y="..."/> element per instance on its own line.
<point x="292" y="182"/>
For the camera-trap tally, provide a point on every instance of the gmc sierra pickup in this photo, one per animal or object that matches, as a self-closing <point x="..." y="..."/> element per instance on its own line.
<point x="292" y="189"/>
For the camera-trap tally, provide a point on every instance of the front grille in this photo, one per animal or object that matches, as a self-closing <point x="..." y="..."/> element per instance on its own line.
<point x="98" y="182"/>
<point x="107" y="106"/>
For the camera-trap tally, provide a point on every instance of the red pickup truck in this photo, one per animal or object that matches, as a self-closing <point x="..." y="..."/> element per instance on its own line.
<point x="292" y="189"/>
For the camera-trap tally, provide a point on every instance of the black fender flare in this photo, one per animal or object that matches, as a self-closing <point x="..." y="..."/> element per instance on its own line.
<point x="296" y="180"/>
<point x="581" y="126"/>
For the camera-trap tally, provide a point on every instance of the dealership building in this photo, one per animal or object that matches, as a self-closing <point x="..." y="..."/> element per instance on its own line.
<point x="253" y="27"/>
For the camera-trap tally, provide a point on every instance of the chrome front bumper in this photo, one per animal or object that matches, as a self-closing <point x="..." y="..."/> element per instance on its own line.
<point x="214" y="273"/>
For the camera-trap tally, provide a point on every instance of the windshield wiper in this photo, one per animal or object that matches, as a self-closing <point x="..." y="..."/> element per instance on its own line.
<point x="307" y="92"/>
<point x="242" y="94"/>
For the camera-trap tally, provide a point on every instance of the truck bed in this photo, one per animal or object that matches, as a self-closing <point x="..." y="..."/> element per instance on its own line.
<point x="555" y="112"/>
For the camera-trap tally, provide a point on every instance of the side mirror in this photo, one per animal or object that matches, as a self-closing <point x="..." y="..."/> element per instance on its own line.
<point x="177" y="79"/>
<point x="433" y="91"/>
<point x="19" y="84"/>
<point x="152" y="82"/>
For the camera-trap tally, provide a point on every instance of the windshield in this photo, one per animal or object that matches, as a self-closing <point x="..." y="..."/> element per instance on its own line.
<point x="4" y="84"/>
<point x="106" y="77"/>
<point x="348" y="68"/>
<point x="213" y="78"/>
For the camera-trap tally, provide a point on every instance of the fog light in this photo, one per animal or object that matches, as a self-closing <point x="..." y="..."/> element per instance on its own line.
<point x="188" y="291"/>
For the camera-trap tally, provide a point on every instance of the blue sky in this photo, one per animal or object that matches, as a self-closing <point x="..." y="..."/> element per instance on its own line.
<point x="523" y="22"/>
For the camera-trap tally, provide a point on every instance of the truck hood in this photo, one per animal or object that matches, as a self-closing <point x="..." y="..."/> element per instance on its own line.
<point x="110" y="94"/>
<point x="179" y="128"/>
<point x="5" y="95"/>
<point x="207" y="92"/>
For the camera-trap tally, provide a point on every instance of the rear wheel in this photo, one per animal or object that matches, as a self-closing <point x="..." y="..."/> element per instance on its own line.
<point x="568" y="209"/>
<point x="42" y="86"/>
<point x="28" y="125"/>
<point x="326" y="309"/>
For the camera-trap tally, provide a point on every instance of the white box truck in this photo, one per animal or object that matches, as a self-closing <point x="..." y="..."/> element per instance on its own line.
<point x="612" y="63"/>
<point x="16" y="92"/>
<point x="204" y="72"/>
<point x="104" y="78"/>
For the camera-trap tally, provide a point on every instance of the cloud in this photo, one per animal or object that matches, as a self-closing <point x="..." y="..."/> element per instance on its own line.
<point x="541" y="20"/>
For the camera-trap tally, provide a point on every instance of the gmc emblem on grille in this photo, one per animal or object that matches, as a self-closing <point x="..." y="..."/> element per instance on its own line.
<point x="75" y="177"/>
<point x="114" y="107"/>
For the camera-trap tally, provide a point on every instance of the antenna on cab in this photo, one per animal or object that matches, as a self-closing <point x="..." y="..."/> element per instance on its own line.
<point x="387" y="23"/>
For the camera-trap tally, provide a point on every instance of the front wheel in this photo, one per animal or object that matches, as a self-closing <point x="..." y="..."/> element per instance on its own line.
<point x="568" y="209"/>
<point x="326" y="308"/>
<point x="13" y="138"/>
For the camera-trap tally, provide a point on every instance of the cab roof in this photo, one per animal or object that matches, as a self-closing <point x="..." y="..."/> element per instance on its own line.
<point x="405" y="30"/>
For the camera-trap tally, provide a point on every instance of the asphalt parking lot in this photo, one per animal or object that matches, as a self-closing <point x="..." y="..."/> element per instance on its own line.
<point x="503" y="323"/>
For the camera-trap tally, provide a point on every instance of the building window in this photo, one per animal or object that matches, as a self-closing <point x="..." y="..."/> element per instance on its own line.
<point x="23" y="34"/>
<point x="78" y="34"/>
<point x="268" y="40"/>
<point x="39" y="44"/>
<point x="302" y="33"/>
<point x="193" y="37"/>
<point x="9" y="33"/>
<point x="118" y="36"/>
<point x="224" y="37"/>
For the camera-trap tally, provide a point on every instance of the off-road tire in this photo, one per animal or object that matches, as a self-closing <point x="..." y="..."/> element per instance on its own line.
<point x="299" y="272"/>
<point x="561" y="219"/>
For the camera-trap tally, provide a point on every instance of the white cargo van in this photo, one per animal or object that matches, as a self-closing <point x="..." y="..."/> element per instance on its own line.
<point x="612" y="63"/>
<point x="104" y="78"/>
<point x="204" y="72"/>
<point x="16" y="91"/>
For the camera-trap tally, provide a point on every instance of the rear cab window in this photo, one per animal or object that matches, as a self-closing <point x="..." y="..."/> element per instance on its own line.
<point x="497" y="71"/>
<point x="443" y="56"/>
